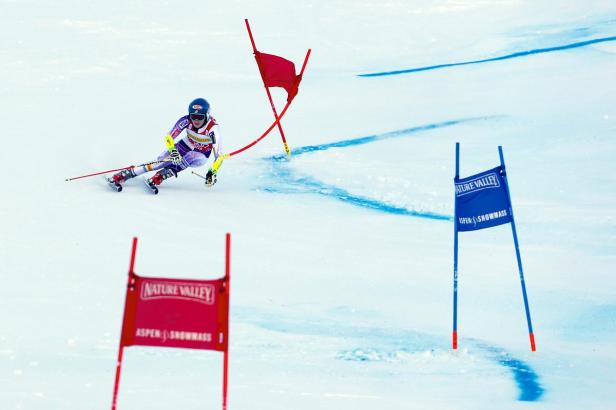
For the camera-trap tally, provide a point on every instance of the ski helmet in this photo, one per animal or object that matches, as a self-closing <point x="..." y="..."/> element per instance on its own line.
<point x="199" y="109"/>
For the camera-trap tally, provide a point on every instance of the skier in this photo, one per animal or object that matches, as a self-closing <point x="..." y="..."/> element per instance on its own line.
<point x="193" y="150"/>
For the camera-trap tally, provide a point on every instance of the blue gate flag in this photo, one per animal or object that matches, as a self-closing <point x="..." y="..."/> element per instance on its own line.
<point x="482" y="200"/>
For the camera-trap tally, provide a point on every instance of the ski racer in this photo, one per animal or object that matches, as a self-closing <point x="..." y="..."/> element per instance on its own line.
<point x="202" y="138"/>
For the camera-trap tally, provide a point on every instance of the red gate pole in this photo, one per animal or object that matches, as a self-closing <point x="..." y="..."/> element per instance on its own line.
<point x="301" y="72"/>
<point x="116" y="386"/>
<point x="269" y="95"/>
<point x="225" y="374"/>
<point x="117" y="377"/>
<point x="226" y="352"/>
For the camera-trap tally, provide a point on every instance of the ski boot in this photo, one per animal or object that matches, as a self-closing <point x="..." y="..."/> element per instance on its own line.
<point x="116" y="180"/>
<point x="159" y="177"/>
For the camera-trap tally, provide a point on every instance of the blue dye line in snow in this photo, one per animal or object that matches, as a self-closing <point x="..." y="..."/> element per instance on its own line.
<point x="524" y="375"/>
<point x="525" y="378"/>
<point x="313" y="186"/>
<point x="376" y="137"/>
<point x="391" y="342"/>
<point x="488" y="60"/>
<point x="291" y="183"/>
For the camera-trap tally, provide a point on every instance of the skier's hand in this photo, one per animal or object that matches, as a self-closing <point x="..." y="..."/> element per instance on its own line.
<point x="210" y="178"/>
<point x="176" y="158"/>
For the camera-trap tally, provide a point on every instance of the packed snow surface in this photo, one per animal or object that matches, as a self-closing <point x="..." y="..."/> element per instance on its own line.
<point x="342" y="256"/>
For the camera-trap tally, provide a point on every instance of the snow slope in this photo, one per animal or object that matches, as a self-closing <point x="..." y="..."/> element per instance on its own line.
<point x="341" y="257"/>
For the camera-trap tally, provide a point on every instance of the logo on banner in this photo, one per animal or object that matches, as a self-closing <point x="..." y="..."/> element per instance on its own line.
<point x="202" y="293"/>
<point x="478" y="184"/>
<point x="482" y="201"/>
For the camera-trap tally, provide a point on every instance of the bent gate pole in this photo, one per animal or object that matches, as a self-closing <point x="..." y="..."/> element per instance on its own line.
<point x="269" y="94"/>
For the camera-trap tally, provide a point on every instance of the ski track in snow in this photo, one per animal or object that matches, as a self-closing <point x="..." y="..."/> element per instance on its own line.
<point x="288" y="182"/>
<point x="398" y="342"/>
<point x="518" y="54"/>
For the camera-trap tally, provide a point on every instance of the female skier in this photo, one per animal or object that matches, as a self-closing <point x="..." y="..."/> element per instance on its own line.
<point x="202" y="138"/>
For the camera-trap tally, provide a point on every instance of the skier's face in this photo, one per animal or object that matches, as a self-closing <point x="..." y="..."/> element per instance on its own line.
<point x="197" y="120"/>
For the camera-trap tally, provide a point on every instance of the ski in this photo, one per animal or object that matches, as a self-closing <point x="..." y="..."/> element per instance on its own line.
<point x="113" y="185"/>
<point x="151" y="186"/>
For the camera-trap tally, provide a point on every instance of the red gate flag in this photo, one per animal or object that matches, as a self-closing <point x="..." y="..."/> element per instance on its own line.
<point x="176" y="313"/>
<point x="184" y="313"/>
<point x="278" y="72"/>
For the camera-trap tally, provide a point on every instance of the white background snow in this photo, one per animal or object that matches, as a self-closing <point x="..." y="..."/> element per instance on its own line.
<point x="334" y="306"/>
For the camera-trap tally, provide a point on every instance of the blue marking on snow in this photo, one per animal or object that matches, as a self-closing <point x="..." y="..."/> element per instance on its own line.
<point x="488" y="60"/>
<point x="390" y="344"/>
<point x="288" y="182"/>
<point x="377" y="137"/>
<point x="312" y="186"/>
<point x="523" y="375"/>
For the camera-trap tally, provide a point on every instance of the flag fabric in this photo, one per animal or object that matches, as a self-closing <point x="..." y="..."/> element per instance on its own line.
<point x="482" y="200"/>
<point x="278" y="72"/>
<point x="176" y="313"/>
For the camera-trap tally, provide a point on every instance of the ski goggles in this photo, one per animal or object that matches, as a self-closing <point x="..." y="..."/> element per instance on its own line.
<point x="197" y="117"/>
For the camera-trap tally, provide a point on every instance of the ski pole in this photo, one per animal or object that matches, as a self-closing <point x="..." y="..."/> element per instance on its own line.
<point x="199" y="175"/>
<point x="209" y="183"/>
<point x="98" y="173"/>
<point x="117" y="169"/>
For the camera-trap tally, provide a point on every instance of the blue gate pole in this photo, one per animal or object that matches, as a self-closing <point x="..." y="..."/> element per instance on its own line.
<point x="455" y="253"/>
<point x="517" y="252"/>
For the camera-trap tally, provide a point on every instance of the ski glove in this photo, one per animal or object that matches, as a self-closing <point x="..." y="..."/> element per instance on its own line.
<point x="210" y="178"/>
<point x="176" y="158"/>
